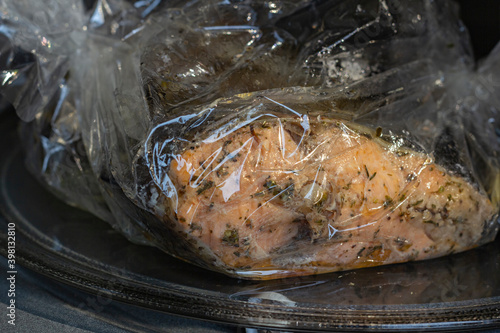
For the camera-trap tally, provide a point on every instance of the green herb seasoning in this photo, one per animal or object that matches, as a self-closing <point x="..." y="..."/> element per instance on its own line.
<point x="388" y="201"/>
<point x="205" y="186"/>
<point x="431" y="222"/>
<point x="269" y="184"/>
<point x="417" y="203"/>
<point x="258" y="194"/>
<point x="231" y="237"/>
<point x="288" y="192"/>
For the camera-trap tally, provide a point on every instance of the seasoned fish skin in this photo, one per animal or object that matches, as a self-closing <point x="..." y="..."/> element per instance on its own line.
<point x="279" y="198"/>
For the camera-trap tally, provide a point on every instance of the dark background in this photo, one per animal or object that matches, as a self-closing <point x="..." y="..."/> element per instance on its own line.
<point x="482" y="18"/>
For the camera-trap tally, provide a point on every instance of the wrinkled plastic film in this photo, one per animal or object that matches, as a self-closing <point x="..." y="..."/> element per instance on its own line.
<point x="286" y="187"/>
<point x="38" y="39"/>
<point x="272" y="139"/>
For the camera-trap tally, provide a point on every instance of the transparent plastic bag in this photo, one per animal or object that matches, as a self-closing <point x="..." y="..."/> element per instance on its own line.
<point x="271" y="139"/>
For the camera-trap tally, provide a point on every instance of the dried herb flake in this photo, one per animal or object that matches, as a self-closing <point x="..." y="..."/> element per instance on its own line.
<point x="231" y="237"/>
<point x="205" y="186"/>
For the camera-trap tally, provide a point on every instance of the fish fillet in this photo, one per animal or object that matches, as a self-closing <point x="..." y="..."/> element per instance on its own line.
<point x="277" y="198"/>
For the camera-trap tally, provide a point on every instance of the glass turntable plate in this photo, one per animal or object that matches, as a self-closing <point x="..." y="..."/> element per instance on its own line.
<point x="461" y="291"/>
